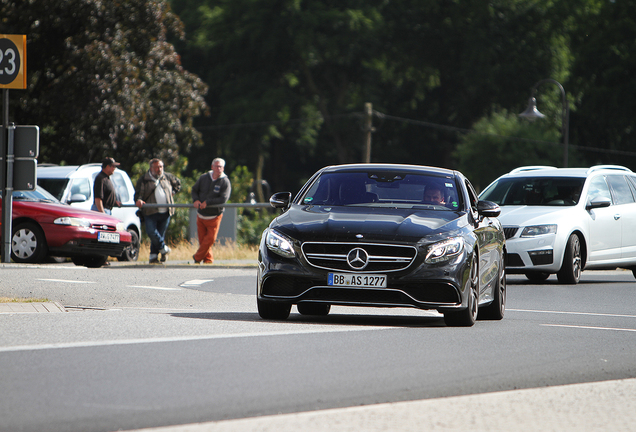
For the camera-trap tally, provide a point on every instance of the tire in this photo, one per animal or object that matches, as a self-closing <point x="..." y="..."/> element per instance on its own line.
<point x="28" y="244"/>
<point x="131" y="253"/>
<point x="570" y="272"/>
<point x="313" y="308"/>
<point x="496" y="310"/>
<point x="537" y="276"/>
<point x="468" y="316"/>
<point x="270" y="310"/>
<point x="90" y="261"/>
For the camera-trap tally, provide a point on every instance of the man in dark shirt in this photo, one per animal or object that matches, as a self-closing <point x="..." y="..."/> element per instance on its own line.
<point x="105" y="195"/>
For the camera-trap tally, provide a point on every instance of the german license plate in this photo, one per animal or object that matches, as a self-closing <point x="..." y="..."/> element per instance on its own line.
<point x="108" y="237"/>
<point x="366" y="280"/>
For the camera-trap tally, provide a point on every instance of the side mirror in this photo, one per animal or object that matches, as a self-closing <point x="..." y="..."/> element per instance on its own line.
<point x="598" y="202"/>
<point x="280" y="200"/>
<point x="488" y="209"/>
<point x="77" y="198"/>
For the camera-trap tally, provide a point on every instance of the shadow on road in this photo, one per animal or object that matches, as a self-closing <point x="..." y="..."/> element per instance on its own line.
<point x="331" y="319"/>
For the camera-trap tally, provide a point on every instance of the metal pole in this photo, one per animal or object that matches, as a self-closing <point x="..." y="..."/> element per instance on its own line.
<point x="6" y="197"/>
<point x="565" y="116"/>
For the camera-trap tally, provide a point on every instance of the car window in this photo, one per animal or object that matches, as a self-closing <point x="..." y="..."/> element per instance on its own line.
<point x="120" y="186"/>
<point x="598" y="189"/>
<point x="535" y="191"/>
<point x="383" y="189"/>
<point x="620" y="189"/>
<point x="472" y="195"/>
<point x="55" y="186"/>
<point x="81" y="186"/>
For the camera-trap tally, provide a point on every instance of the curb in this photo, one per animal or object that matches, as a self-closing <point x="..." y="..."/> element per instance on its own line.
<point x="31" y="307"/>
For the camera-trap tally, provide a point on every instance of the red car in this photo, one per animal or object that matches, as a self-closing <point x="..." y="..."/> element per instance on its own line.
<point x="43" y="227"/>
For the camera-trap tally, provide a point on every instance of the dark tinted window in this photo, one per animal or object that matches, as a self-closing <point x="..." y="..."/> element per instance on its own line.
<point x="54" y="186"/>
<point x="383" y="189"/>
<point x="537" y="191"/>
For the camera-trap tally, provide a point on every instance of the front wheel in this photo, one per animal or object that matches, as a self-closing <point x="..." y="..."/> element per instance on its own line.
<point x="496" y="310"/>
<point x="270" y="310"/>
<point x="570" y="272"/>
<point x="28" y="244"/>
<point x="468" y="316"/>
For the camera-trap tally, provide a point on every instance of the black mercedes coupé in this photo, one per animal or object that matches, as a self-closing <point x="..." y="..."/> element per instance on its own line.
<point x="384" y="235"/>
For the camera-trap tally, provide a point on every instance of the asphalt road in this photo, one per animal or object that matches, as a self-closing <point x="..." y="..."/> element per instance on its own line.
<point x="144" y="347"/>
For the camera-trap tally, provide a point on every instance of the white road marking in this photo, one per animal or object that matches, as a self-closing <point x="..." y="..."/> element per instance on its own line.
<point x="195" y="282"/>
<point x="154" y="287"/>
<point x="588" y="327"/>
<point x="572" y="313"/>
<point x="67" y="281"/>
<point x="88" y="344"/>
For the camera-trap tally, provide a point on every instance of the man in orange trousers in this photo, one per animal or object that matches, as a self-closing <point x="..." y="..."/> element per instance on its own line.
<point x="211" y="189"/>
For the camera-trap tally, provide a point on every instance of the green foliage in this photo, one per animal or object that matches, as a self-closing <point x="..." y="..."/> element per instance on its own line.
<point x="504" y="141"/>
<point x="103" y="80"/>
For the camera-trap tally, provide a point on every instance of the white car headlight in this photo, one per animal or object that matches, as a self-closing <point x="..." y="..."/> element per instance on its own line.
<point x="72" y="221"/>
<point x="444" y="250"/>
<point x="279" y="244"/>
<point x="537" y="230"/>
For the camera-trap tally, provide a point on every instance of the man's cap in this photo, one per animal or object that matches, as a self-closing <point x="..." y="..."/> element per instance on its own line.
<point x="108" y="162"/>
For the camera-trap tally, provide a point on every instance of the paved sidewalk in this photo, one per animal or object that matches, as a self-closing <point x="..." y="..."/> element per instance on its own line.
<point x="31" y="307"/>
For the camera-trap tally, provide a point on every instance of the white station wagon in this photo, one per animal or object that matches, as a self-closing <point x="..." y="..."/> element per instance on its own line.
<point x="564" y="220"/>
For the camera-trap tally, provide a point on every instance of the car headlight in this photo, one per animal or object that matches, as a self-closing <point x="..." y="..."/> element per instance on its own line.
<point x="536" y="230"/>
<point x="72" y="221"/>
<point x="444" y="250"/>
<point x="279" y="244"/>
<point x="120" y="226"/>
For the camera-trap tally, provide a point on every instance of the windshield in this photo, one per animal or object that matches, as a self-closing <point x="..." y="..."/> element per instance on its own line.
<point x="384" y="189"/>
<point x="56" y="186"/>
<point x="38" y="194"/>
<point x="536" y="191"/>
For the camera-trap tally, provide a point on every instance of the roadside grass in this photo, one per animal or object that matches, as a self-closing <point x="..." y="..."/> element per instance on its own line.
<point x="22" y="300"/>
<point x="184" y="250"/>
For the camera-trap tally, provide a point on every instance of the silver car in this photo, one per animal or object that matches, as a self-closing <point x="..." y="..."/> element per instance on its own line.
<point x="563" y="220"/>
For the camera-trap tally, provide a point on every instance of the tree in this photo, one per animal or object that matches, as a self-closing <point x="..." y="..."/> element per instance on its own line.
<point x="289" y="78"/>
<point x="604" y="45"/>
<point x="103" y="80"/>
<point x="502" y="142"/>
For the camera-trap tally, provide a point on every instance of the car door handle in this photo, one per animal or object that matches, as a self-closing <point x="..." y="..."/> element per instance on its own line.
<point x="617" y="217"/>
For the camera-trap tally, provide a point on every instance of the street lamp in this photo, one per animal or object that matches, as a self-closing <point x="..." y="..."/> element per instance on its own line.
<point x="532" y="113"/>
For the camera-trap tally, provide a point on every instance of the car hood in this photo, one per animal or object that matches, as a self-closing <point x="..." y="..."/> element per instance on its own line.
<point x="528" y="215"/>
<point x="335" y="223"/>
<point x="47" y="212"/>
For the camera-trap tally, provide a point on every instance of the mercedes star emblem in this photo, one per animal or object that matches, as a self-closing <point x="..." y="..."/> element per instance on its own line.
<point x="357" y="258"/>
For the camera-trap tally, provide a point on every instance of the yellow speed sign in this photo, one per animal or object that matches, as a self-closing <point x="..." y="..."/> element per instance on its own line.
<point x="13" y="61"/>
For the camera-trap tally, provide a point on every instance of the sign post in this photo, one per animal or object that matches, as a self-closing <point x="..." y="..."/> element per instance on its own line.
<point x="12" y="76"/>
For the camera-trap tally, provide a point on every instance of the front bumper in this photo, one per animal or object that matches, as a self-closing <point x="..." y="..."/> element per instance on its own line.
<point x="422" y="286"/>
<point x="538" y="253"/>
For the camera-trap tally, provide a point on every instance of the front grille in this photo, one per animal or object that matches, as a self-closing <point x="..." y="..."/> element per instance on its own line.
<point x="382" y="258"/>
<point x="103" y="227"/>
<point x="300" y="288"/>
<point x="510" y="232"/>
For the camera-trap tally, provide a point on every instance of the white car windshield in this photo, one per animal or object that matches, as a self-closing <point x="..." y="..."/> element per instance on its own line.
<point x="535" y="191"/>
